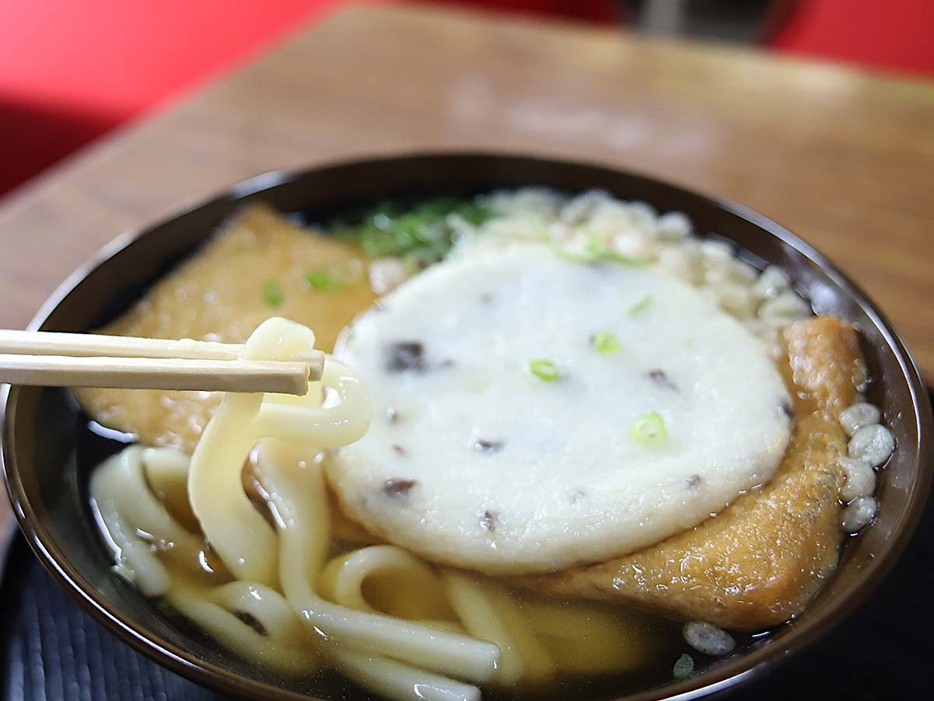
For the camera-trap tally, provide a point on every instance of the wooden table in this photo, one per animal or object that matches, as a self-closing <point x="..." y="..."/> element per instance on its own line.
<point x="843" y="158"/>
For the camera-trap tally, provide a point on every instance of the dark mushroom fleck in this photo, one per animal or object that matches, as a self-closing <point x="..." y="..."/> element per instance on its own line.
<point x="693" y="482"/>
<point x="489" y="520"/>
<point x="787" y="410"/>
<point x="252" y="621"/>
<point x="405" y="356"/>
<point x="485" y="446"/>
<point x="399" y="450"/>
<point x="660" y="377"/>
<point x="398" y="486"/>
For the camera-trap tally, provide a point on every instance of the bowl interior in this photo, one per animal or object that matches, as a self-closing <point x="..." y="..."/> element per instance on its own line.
<point x="47" y="451"/>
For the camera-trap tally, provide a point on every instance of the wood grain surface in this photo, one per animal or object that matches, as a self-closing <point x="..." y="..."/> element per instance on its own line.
<point x="842" y="158"/>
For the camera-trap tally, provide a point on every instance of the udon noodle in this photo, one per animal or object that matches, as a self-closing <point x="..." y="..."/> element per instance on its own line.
<point x="268" y="590"/>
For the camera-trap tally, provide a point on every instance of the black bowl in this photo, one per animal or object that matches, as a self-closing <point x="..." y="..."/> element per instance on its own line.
<point x="47" y="452"/>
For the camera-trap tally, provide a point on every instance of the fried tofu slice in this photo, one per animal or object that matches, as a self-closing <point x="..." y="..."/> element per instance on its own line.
<point x="256" y="266"/>
<point x="761" y="560"/>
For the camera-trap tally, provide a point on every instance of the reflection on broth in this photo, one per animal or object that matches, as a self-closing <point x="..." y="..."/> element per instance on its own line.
<point x="310" y="559"/>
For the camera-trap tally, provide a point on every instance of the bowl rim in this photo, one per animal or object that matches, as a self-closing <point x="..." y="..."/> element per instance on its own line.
<point x="745" y="667"/>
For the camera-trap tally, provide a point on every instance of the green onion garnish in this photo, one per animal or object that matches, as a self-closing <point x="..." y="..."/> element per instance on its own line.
<point x="640" y="306"/>
<point x="649" y="429"/>
<point x="598" y="252"/>
<point x="595" y="253"/>
<point x="423" y="233"/>
<point x="683" y="667"/>
<point x="273" y="295"/>
<point x="620" y="259"/>
<point x="544" y="370"/>
<point x="605" y="342"/>
<point x="322" y="280"/>
<point x="572" y="256"/>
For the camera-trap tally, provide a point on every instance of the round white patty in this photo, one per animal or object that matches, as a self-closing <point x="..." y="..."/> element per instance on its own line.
<point x="476" y="461"/>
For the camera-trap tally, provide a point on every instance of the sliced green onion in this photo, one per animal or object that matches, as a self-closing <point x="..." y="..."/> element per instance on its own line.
<point x="545" y="370"/>
<point x="572" y="256"/>
<point x="322" y="280"/>
<point x="423" y="232"/>
<point x="605" y="342"/>
<point x="620" y="259"/>
<point x="683" y="667"/>
<point x="598" y="252"/>
<point x="273" y="295"/>
<point x="649" y="429"/>
<point x="640" y="306"/>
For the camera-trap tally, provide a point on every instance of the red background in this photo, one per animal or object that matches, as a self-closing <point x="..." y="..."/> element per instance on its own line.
<point x="70" y="70"/>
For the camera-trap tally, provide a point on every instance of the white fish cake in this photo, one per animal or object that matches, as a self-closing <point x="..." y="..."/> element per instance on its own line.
<point x="475" y="461"/>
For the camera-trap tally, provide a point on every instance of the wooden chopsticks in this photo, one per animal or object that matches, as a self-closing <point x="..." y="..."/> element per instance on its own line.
<point x="89" y="360"/>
